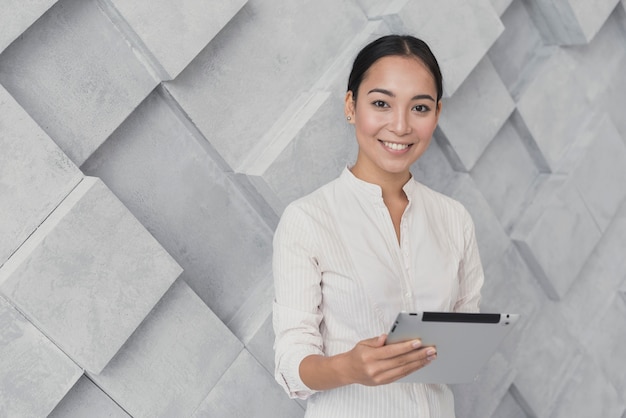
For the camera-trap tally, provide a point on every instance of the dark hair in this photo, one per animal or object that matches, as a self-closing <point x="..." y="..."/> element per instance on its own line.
<point x="390" y="45"/>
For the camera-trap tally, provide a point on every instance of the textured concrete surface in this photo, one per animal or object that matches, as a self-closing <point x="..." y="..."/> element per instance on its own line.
<point x="482" y="96"/>
<point x="262" y="398"/>
<point x="570" y="21"/>
<point x="543" y="104"/>
<point x="598" y="171"/>
<point x="519" y="51"/>
<point x="157" y="168"/>
<point x="173" y="359"/>
<point x="75" y="75"/>
<point x="197" y="122"/>
<point x="557" y="217"/>
<point x="506" y="175"/>
<point x="233" y="70"/>
<point x="34" y="175"/>
<point x="89" y="275"/>
<point x="34" y="373"/>
<point x="172" y="33"/>
<point x="86" y="400"/>
<point x="17" y="16"/>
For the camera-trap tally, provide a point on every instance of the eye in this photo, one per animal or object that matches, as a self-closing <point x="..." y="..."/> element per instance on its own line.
<point x="379" y="103"/>
<point x="421" y="108"/>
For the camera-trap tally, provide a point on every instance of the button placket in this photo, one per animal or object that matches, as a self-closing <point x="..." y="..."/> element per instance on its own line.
<point x="406" y="261"/>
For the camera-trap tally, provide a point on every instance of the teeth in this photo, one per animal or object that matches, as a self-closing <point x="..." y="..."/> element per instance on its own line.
<point x="395" y="146"/>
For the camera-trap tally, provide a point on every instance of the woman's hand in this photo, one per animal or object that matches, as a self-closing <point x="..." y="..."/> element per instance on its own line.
<point x="369" y="363"/>
<point x="373" y="363"/>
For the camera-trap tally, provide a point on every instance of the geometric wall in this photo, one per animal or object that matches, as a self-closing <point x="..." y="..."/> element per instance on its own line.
<point x="148" y="148"/>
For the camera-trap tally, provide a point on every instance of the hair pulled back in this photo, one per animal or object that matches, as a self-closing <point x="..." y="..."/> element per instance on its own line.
<point x="393" y="45"/>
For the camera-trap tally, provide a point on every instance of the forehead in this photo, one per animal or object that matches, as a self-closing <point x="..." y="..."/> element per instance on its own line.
<point x="405" y="73"/>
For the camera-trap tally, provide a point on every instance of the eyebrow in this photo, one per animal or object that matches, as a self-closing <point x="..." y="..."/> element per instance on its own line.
<point x="389" y="93"/>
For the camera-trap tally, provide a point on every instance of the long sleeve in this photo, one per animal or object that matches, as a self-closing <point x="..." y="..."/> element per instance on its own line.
<point x="471" y="276"/>
<point x="298" y="296"/>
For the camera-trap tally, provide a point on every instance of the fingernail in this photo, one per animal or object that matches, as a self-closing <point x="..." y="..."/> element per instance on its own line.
<point x="417" y="344"/>
<point x="431" y="352"/>
<point x="431" y="358"/>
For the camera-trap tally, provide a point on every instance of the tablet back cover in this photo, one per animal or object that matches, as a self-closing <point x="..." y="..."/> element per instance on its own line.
<point x="464" y="341"/>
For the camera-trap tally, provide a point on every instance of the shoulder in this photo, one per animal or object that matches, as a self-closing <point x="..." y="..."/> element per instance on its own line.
<point x="439" y="204"/>
<point x="313" y="202"/>
<point x="312" y="208"/>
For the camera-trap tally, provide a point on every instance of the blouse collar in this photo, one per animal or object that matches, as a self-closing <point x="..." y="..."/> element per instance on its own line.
<point x="374" y="191"/>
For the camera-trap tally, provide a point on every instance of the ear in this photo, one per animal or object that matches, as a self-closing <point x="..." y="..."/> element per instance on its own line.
<point x="349" y="106"/>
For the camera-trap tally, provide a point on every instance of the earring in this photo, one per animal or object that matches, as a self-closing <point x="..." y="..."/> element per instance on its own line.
<point x="348" y="118"/>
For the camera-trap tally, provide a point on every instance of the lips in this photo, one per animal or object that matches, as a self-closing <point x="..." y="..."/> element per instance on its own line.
<point x="395" y="146"/>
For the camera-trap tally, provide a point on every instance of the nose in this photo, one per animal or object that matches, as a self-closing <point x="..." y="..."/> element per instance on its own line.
<point x="399" y="123"/>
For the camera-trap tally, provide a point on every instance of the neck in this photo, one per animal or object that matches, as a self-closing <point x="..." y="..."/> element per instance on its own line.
<point x="390" y="183"/>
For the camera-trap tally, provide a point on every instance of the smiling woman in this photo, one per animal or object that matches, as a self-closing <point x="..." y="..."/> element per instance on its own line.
<point x="351" y="255"/>
<point x="394" y="115"/>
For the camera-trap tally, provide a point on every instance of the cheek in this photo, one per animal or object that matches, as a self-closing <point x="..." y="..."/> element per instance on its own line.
<point x="369" y="124"/>
<point x="427" y="128"/>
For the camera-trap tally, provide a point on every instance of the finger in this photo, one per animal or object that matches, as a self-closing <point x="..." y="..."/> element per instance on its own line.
<point x="431" y="353"/>
<point x="398" y="349"/>
<point x="423" y="355"/>
<point x="404" y="368"/>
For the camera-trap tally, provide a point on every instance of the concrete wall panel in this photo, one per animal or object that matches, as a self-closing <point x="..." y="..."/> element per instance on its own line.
<point x="474" y="115"/>
<point x="34" y="373"/>
<point x="556" y="218"/>
<point x="173" y="360"/>
<point x="532" y="141"/>
<point x="510" y="408"/>
<point x="89" y="275"/>
<point x="171" y="34"/>
<point x="17" y="16"/>
<point x="587" y="393"/>
<point x="75" y="75"/>
<point x="296" y="47"/>
<point x="261" y="400"/>
<point x="556" y="347"/>
<point x="519" y="50"/>
<point x="542" y="107"/>
<point x="35" y="175"/>
<point x="517" y="175"/>
<point x="163" y="174"/>
<point x="86" y="400"/>
<point x="570" y="22"/>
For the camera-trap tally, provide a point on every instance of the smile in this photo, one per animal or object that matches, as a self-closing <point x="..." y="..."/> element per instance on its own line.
<point x="394" y="146"/>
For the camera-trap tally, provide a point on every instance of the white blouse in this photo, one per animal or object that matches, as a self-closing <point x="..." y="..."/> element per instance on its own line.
<point x="341" y="276"/>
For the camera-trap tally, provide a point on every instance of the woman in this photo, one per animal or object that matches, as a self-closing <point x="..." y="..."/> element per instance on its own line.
<point x="373" y="242"/>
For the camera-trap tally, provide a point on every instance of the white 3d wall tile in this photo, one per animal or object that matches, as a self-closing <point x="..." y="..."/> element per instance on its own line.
<point x="147" y="149"/>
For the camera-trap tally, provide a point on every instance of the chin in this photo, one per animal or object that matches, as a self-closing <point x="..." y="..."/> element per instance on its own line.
<point x="395" y="169"/>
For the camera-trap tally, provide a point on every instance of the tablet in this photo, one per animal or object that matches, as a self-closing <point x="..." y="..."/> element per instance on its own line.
<point x="464" y="341"/>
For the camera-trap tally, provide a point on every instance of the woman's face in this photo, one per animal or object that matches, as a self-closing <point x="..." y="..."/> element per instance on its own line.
<point x="395" y="114"/>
